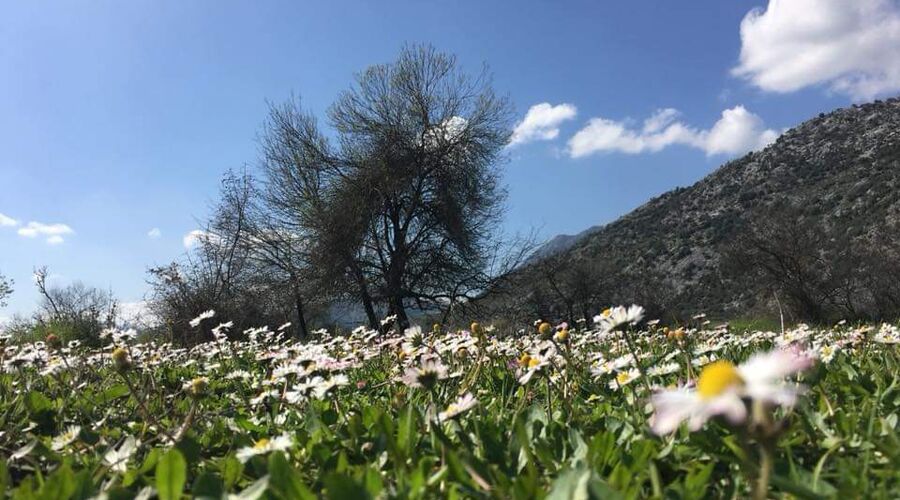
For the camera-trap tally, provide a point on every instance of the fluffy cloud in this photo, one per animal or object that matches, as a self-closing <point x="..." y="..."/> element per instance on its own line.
<point x="197" y="236"/>
<point x="52" y="232"/>
<point x="136" y="314"/>
<point x="852" y="46"/>
<point x="6" y="221"/>
<point x="541" y="123"/>
<point x="154" y="233"/>
<point x="191" y="239"/>
<point x="736" y="132"/>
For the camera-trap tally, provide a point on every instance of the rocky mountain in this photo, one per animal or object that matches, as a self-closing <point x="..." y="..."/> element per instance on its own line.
<point x="561" y="243"/>
<point x="841" y="169"/>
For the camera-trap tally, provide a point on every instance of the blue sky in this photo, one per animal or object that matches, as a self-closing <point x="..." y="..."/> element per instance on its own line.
<point x="120" y="117"/>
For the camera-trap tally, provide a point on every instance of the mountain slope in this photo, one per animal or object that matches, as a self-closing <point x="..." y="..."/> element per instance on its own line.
<point x="839" y="168"/>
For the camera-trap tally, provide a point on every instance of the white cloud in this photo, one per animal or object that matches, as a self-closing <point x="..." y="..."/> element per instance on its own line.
<point x="136" y="314"/>
<point x="196" y="236"/>
<point x="53" y="232"/>
<point x="6" y="221"/>
<point x="736" y="132"/>
<point x="541" y="122"/>
<point x="191" y="239"/>
<point x="154" y="233"/>
<point x="852" y="46"/>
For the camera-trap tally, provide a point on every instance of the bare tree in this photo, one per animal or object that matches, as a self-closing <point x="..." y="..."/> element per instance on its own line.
<point x="79" y="311"/>
<point x="785" y="253"/>
<point x="405" y="205"/>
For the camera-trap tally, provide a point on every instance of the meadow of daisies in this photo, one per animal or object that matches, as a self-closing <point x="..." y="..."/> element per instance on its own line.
<point x="614" y="407"/>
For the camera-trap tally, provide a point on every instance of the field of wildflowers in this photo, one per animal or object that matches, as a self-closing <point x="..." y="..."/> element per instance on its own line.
<point x="613" y="407"/>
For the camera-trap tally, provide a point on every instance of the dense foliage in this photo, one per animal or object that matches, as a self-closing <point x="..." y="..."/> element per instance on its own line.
<point x="563" y="412"/>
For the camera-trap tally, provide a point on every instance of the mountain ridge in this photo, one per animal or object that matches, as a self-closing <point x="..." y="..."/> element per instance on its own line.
<point x="841" y="168"/>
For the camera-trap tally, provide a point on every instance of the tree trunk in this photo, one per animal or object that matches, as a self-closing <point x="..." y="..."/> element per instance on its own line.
<point x="366" y="298"/>
<point x="301" y="317"/>
<point x="397" y="308"/>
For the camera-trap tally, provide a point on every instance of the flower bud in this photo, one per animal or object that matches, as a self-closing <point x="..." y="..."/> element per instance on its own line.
<point x="121" y="360"/>
<point x="545" y="328"/>
<point x="198" y="387"/>
<point x="561" y="335"/>
<point x="53" y="341"/>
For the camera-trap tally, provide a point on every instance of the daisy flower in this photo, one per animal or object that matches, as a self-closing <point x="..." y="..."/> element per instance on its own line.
<point x="204" y="315"/>
<point x="426" y="375"/>
<point x="530" y="364"/>
<point x="264" y="446"/>
<point x="66" y="438"/>
<point x="722" y="388"/>
<point x="117" y="458"/>
<point x="616" y="317"/>
<point x="624" y="378"/>
<point x="324" y="386"/>
<point x="666" y="369"/>
<point x="462" y="404"/>
<point x="826" y="353"/>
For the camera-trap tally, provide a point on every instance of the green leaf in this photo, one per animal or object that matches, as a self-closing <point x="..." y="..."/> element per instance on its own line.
<point x="171" y="474"/>
<point x="405" y="432"/>
<point x="580" y="484"/>
<point x="36" y="402"/>
<point x="285" y="481"/>
<point x="697" y="480"/>
<point x="4" y="476"/>
<point x="114" y="392"/>
<point x="341" y="487"/>
<point x="60" y="485"/>
<point x="253" y="491"/>
<point x="231" y="469"/>
<point x="208" y="485"/>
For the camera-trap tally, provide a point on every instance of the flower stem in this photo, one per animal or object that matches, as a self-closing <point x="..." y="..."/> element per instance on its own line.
<point x="761" y="486"/>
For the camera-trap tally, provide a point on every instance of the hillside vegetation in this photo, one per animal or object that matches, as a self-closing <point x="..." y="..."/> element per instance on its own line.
<point x="831" y="183"/>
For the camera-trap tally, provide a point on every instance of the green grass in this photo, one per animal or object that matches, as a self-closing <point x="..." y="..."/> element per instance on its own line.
<point x="566" y="433"/>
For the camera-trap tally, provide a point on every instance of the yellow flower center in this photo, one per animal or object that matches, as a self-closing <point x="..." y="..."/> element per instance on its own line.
<point x="606" y="312"/>
<point x="622" y="378"/>
<point x="524" y="359"/>
<point x="716" y="378"/>
<point x="261" y="444"/>
<point x="532" y="362"/>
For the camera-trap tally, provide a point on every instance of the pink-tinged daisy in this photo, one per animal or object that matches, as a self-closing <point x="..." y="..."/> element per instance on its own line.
<point x="722" y="388"/>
